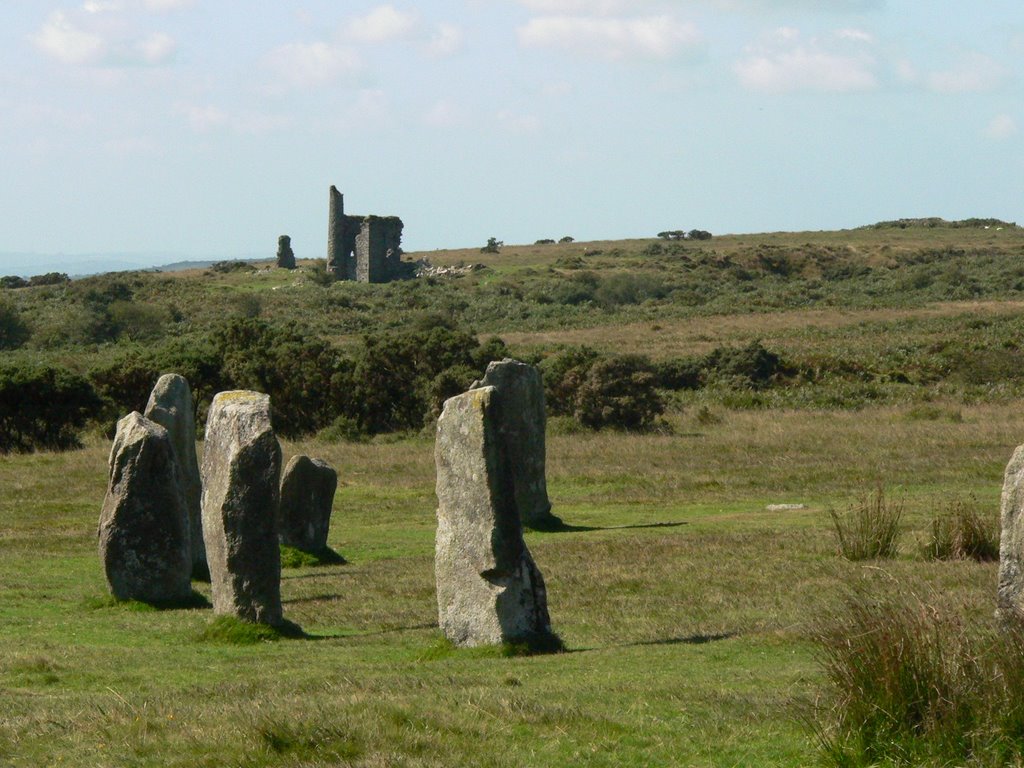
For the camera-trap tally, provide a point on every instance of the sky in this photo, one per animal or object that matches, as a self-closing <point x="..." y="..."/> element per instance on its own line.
<point x="191" y="129"/>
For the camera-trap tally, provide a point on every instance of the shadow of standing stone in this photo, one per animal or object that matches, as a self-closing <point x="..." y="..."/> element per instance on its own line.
<point x="170" y="406"/>
<point x="143" y="529"/>
<point x="241" y="470"/>
<point x="489" y="590"/>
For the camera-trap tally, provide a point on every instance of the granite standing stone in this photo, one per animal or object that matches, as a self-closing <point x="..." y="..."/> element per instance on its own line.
<point x="241" y="471"/>
<point x="143" y="530"/>
<point x="488" y="588"/>
<point x="1010" y="590"/>
<point x="522" y="423"/>
<point x="307" y="496"/>
<point x="170" y="406"/>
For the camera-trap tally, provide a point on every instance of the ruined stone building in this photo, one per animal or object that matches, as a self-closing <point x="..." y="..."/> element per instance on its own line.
<point x="363" y="248"/>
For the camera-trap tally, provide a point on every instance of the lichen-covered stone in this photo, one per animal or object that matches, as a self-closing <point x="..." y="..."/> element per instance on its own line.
<point x="1010" y="590"/>
<point x="489" y="590"/>
<point x="522" y="422"/>
<point x="307" y="496"/>
<point x="143" y="529"/>
<point x="285" y="255"/>
<point x="241" y="472"/>
<point x="170" y="406"/>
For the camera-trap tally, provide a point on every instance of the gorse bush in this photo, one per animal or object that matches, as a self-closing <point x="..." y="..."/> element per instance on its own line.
<point x="870" y="528"/>
<point x="42" y="407"/>
<point x="963" y="532"/>
<point x="912" y="685"/>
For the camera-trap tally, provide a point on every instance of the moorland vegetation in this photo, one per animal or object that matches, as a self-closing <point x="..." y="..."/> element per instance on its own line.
<point x="690" y="383"/>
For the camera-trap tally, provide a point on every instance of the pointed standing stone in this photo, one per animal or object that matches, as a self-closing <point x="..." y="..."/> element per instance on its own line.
<point x="522" y="423"/>
<point x="489" y="590"/>
<point x="1010" y="591"/>
<point x="143" y="531"/>
<point x="285" y="254"/>
<point x="170" y="406"/>
<point x="307" y="496"/>
<point x="241" y="471"/>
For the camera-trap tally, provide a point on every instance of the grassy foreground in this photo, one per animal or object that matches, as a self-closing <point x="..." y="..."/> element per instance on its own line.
<point x="685" y="604"/>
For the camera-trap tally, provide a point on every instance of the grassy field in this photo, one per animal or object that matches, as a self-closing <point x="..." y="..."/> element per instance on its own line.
<point x="687" y="606"/>
<point x="684" y="602"/>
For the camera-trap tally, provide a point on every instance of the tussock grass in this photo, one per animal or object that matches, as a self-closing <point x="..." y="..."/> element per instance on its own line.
<point x="963" y="531"/>
<point x="233" y="631"/>
<point x="910" y="684"/>
<point x="292" y="557"/>
<point x="870" y="528"/>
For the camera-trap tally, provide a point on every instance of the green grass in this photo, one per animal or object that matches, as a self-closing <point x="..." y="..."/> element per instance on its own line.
<point x="683" y="602"/>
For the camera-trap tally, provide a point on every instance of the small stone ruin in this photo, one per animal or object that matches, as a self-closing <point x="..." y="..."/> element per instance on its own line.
<point x="241" y="472"/>
<point x="363" y="248"/>
<point x="1010" y="590"/>
<point x="285" y="255"/>
<point x="489" y="590"/>
<point x="170" y="406"/>
<point x="144" y="529"/>
<point x="307" y="496"/>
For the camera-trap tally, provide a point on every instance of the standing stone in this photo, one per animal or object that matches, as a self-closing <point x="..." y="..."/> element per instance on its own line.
<point x="522" y="423"/>
<point x="143" y="531"/>
<point x="285" y="255"/>
<point x="1010" y="592"/>
<point x="488" y="589"/>
<point x="241" y="470"/>
<point x="307" y="496"/>
<point x="170" y="406"/>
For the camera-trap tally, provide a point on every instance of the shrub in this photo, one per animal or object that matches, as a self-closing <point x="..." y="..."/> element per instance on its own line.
<point x="563" y="373"/>
<point x="13" y="281"/>
<point x="545" y="241"/>
<point x="493" y="245"/>
<point x="870" y="528"/>
<point x="961" y="532"/>
<point x="753" y="365"/>
<point x="50" y="278"/>
<point x="619" y="392"/>
<point x="43" y="407"/>
<point x="566" y="239"/>
<point x="14" y="331"/>
<point x="679" y="373"/>
<point x="226" y="267"/>
<point x="698" y="234"/>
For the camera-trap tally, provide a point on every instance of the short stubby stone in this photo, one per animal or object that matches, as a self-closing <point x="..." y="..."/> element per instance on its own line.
<point x="170" y="406"/>
<point x="241" y="471"/>
<point x="489" y="590"/>
<point x="1010" y="590"/>
<point x="307" y="496"/>
<point x="285" y="255"/>
<point x="143" y="530"/>
<point x="522" y="423"/>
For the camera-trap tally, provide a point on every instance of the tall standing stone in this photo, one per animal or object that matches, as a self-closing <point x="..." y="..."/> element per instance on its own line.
<point x="1010" y="591"/>
<point x="170" y="406"/>
<point x="241" y="471"/>
<point x="522" y="421"/>
<point x="307" y="496"/>
<point x="285" y="254"/>
<point x="488" y="588"/>
<point x="143" y="530"/>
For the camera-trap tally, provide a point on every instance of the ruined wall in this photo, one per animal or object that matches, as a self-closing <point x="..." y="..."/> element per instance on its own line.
<point x="363" y="248"/>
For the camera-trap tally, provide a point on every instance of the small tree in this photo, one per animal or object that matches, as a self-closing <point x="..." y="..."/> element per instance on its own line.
<point x="493" y="245"/>
<point x="566" y="239"/>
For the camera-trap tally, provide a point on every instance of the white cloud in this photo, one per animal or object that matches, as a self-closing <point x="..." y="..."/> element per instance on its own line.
<point x="446" y="41"/>
<point x="61" y="39"/>
<point x="203" y="118"/>
<point x="310" y="65"/>
<point x="840" y="63"/>
<point x="161" y="6"/>
<point x="518" y="123"/>
<point x="383" y="24"/>
<point x="442" y="114"/>
<point x="156" y="48"/>
<point x="974" y="72"/>
<point x="1001" y="127"/>
<point x="658" y="37"/>
<point x="587" y="7"/>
